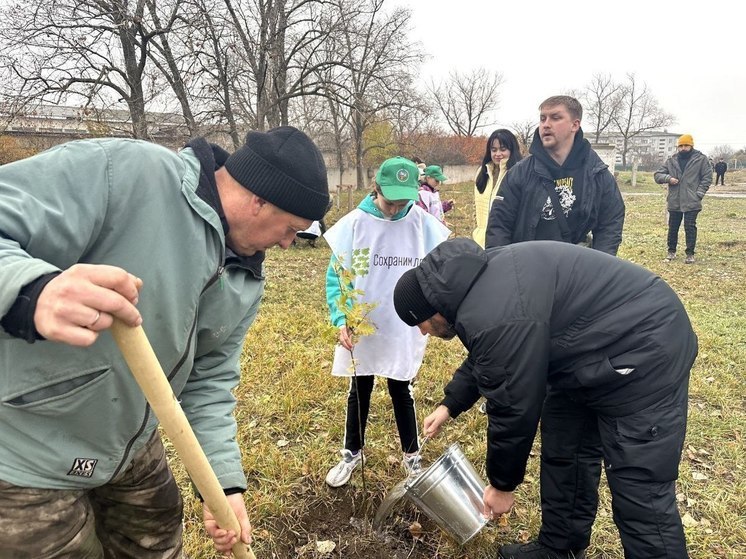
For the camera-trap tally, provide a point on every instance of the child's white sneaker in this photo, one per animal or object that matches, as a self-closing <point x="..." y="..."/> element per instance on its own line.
<point x="340" y="474"/>
<point x="412" y="464"/>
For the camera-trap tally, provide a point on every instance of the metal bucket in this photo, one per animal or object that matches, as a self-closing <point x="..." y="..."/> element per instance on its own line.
<point x="450" y="492"/>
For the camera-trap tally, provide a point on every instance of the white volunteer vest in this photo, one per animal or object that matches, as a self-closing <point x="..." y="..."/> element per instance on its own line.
<point x="384" y="250"/>
<point x="433" y="202"/>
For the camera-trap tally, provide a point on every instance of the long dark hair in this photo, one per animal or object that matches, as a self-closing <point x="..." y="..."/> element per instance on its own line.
<point x="507" y="140"/>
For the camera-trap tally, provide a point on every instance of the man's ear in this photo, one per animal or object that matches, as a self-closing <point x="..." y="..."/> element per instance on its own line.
<point x="257" y="203"/>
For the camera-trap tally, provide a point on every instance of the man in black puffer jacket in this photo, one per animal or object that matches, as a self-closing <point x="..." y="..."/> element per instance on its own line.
<point x="562" y="171"/>
<point x="610" y="346"/>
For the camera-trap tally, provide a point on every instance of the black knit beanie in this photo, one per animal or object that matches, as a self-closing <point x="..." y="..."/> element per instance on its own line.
<point x="409" y="301"/>
<point x="284" y="167"/>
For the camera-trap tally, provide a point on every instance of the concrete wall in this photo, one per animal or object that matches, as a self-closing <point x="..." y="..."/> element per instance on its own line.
<point x="607" y="153"/>
<point x="455" y="174"/>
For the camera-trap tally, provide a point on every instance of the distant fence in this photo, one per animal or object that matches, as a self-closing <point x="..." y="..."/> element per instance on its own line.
<point x="455" y="174"/>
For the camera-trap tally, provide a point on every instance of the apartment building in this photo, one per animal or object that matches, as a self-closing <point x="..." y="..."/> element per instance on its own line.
<point x="649" y="148"/>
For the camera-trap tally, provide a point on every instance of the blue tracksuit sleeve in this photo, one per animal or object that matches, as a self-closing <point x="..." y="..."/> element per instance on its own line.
<point x="333" y="292"/>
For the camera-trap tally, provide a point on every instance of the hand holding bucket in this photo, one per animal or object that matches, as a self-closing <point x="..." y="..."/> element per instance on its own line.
<point x="435" y="421"/>
<point x="450" y="493"/>
<point x="495" y="502"/>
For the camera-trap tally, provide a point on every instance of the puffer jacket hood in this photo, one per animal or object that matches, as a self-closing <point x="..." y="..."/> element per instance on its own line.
<point x="448" y="272"/>
<point x="546" y="313"/>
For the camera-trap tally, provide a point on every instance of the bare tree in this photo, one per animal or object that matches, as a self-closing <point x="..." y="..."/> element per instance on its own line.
<point x="724" y="150"/>
<point x="221" y="86"/>
<point x="173" y="66"/>
<point x="374" y="67"/>
<point x="638" y="112"/>
<point x="277" y="42"/>
<point x="524" y="132"/>
<point x="86" y="48"/>
<point x="601" y="99"/>
<point x="464" y="99"/>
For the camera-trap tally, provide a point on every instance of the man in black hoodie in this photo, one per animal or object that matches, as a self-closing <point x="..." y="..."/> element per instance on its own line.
<point x="562" y="172"/>
<point x="610" y="346"/>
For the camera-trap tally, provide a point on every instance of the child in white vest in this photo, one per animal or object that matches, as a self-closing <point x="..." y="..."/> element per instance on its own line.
<point x="429" y="195"/>
<point x="386" y="235"/>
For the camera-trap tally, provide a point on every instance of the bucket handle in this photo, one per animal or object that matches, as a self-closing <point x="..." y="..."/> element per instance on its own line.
<point x="419" y="450"/>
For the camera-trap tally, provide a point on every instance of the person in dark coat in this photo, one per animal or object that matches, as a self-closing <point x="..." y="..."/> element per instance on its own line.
<point x="562" y="171"/>
<point x="720" y="167"/>
<point x="598" y="347"/>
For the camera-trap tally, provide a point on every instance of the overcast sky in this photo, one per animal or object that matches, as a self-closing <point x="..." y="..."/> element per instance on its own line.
<point x="690" y="54"/>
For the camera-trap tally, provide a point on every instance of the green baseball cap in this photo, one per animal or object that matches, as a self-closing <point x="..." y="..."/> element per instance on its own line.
<point x="397" y="178"/>
<point x="436" y="172"/>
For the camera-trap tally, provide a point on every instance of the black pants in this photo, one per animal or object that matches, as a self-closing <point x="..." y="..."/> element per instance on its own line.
<point x="690" y="229"/>
<point x="641" y="453"/>
<point x="404" y="412"/>
<point x="720" y="177"/>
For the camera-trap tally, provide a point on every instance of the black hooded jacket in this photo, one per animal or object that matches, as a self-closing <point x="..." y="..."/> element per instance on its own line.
<point x="599" y="208"/>
<point x="550" y="314"/>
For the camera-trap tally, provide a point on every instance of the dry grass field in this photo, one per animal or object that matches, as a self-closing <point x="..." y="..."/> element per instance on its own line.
<point x="291" y="411"/>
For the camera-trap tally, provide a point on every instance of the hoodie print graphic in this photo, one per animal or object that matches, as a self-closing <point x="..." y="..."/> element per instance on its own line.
<point x="566" y="197"/>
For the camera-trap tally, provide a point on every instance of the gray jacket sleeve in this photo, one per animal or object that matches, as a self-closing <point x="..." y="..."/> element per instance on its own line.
<point x="705" y="179"/>
<point x="663" y="174"/>
<point x="43" y="229"/>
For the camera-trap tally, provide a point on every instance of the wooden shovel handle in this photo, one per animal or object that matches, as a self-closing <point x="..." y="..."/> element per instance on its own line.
<point x="139" y="355"/>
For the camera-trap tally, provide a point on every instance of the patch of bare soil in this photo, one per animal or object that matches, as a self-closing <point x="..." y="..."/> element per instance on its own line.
<point x="343" y="519"/>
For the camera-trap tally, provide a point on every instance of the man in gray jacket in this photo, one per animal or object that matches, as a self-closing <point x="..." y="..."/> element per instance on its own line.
<point x="103" y="229"/>
<point x="599" y="348"/>
<point x="688" y="175"/>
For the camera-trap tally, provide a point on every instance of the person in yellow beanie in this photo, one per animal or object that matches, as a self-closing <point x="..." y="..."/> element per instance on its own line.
<point x="688" y="176"/>
<point x="685" y="140"/>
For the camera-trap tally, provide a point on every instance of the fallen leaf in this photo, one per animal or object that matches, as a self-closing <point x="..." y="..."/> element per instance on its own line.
<point x="282" y="442"/>
<point x="325" y="547"/>
<point x="680" y="497"/>
<point x="688" y="520"/>
<point x="304" y="549"/>
<point x="415" y="529"/>
<point x="698" y="476"/>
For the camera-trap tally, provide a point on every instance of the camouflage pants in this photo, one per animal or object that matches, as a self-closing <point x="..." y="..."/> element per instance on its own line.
<point x="137" y="515"/>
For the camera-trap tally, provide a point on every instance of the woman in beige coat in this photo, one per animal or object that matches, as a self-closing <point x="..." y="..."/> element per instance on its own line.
<point x="501" y="154"/>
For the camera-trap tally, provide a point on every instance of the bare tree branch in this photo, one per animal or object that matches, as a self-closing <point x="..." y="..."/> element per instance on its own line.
<point x="638" y="112"/>
<point x="602" y="99"/>
<point x="464" y="99"/>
